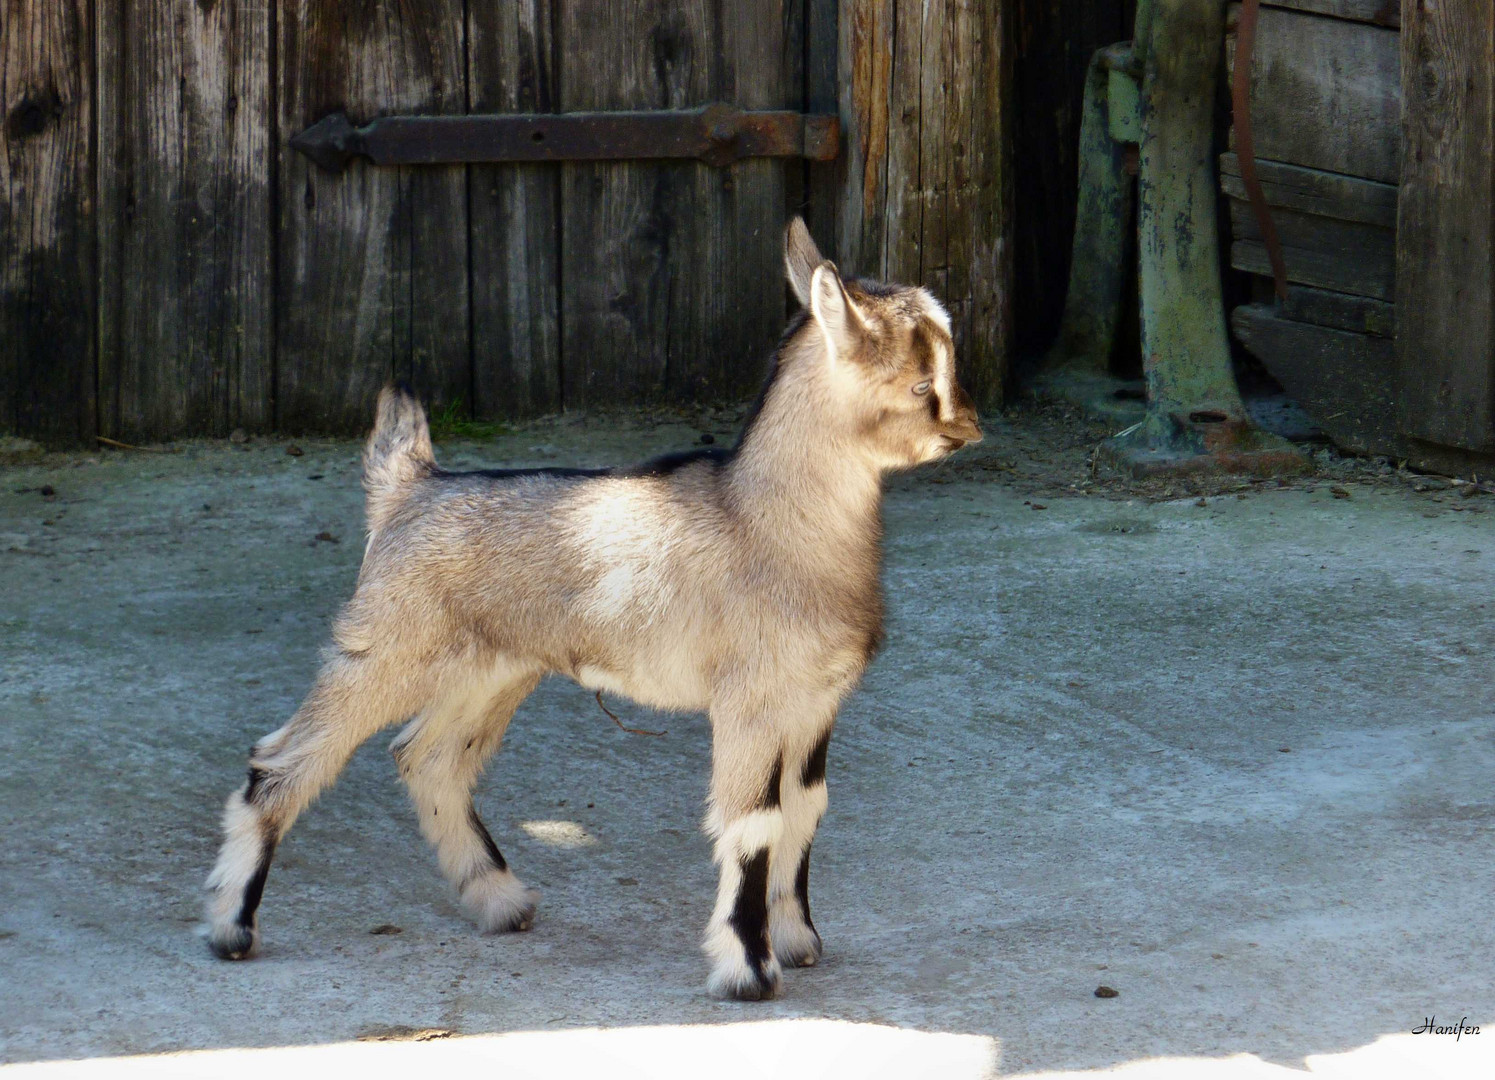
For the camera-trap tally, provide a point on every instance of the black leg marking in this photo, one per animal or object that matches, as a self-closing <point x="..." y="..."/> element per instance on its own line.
<point x="802" y="888"/>
<point x="814" y="768"/>
<point x="482" y="830"/>
<point x="238" y="942"/>
<point x="770" y="799"/>
<point x="254" y="892"/>
<point x="256" y="777"/>
<point x="750" y="915"/>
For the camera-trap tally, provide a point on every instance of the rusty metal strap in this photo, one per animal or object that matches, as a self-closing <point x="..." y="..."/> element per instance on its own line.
<point x="715" y="134"/>
<point x="1245" y="145"/>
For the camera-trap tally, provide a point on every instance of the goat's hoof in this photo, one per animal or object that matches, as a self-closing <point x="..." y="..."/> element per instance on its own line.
<point x="234" y="943"/>
<point x="749" y="990"/>
<point x="500" y="903"/>
<point x="745" y="985"/>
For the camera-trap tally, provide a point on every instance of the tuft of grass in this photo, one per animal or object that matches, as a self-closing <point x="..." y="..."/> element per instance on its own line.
<point x="452" y="422"/>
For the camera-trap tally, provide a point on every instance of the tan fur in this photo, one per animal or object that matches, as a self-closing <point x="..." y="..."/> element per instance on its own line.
<point x="745" y="586"/>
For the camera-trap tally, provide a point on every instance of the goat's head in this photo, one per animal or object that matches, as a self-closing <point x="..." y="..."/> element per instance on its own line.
<point x="888" y="361"/>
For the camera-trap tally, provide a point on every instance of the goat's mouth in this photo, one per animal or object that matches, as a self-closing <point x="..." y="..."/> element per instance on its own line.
<point x="951" y="443"/>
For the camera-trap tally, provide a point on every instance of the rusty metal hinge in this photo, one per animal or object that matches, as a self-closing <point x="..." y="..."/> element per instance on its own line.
<point x="715" y="134"/>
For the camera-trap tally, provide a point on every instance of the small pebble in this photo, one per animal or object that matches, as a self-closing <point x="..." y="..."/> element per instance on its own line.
<point x="294" y="451"/>
<point x="1105" y="992"/>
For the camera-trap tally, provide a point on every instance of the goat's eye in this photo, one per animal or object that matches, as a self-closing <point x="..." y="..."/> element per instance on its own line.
<point x="922" y="388"/>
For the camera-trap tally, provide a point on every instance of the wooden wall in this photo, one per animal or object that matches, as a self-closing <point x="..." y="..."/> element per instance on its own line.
<point x="1375" y="138"/>
<point x="169" y="267"/>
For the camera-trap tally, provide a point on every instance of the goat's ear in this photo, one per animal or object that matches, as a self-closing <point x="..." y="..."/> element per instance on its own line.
<point x="835" y="313"/>
<point x="801" y="257"/>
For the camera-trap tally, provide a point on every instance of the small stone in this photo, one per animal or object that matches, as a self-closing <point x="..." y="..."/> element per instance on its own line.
<point x="326" y="537"/>
<point x="387" y="928"/>
<point x="239" y="436"/>
<point x="47" y="491"/>
<point x="707" y="438"/>
<point x="294" y="450"/>
<point x="627" y="881"/>
<point x="1105" y="992"/>
<point x="1339" y="492"/>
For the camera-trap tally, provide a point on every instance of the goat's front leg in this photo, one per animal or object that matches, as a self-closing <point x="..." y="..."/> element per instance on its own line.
<point x="746" y="819"/>
<point x="802" y="795"/>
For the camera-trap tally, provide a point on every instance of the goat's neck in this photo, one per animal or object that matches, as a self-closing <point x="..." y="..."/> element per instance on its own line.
<point x="798" y="477"/>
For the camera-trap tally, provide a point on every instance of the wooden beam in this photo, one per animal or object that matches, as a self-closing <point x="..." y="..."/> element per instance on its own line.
<point x="1347" y="256"/>
<point x="1381" y="12"/>
<point x="1345" y="381"/>
<point x="1314" y="191"/>
<point x="1446" y="224"/>
<point x="1325" y="93"/>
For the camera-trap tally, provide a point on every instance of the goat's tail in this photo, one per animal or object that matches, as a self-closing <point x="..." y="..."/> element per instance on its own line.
<point x="397" y="454"/>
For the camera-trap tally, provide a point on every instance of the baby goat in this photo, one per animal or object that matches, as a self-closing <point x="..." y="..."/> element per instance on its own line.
<point x="741" y="583"/>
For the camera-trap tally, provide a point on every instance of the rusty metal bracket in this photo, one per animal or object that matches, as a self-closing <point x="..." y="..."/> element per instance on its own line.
<point x="716" y="134"/>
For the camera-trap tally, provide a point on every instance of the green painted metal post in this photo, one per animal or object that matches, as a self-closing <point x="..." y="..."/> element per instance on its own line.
<point x="1195" y="419"/>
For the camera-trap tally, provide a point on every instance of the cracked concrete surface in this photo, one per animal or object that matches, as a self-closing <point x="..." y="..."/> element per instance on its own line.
<point x="1233" y="760"/>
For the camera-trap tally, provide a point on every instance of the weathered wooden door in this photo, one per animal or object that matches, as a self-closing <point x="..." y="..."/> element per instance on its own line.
<point x="528" y="288"/>
<point x="171" y="266"/>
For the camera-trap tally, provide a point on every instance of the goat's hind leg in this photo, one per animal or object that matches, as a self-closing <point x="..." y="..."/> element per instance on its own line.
<point x="440" y="756"/>
<point x="354" y="696"/>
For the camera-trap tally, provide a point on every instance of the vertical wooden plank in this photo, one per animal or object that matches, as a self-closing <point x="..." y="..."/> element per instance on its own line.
<point x="47" y="253"/>
<point x="372" y="263"/>
<point x="514" y="212"/>
<point x="666" y="267"/>
<point x="1445" y="240"/>
<point x="184" y="183"/>
<point x="970" y="242"/>
<point x="903" y="212"/>
<point x="738" y="309"/>
<point x="865" y="43"/>
<point x="822" y="179"/>
<point x="926" y="196"/>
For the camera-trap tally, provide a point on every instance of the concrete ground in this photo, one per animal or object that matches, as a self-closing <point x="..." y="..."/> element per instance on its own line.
<point x="1231" y="759"/>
